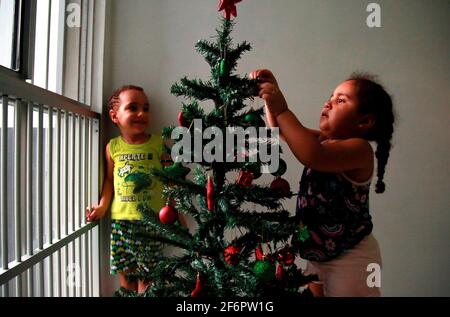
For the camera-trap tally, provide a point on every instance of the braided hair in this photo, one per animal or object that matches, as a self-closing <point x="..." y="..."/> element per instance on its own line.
<point x="373" y="99"/>
<point x="114" y="100"/>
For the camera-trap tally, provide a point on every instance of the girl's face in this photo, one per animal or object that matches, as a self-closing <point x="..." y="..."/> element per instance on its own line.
<point x="132" y="115"/>
<point x="340" y="118"/>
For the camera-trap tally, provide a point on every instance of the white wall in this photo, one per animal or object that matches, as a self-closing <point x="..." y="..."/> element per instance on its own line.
<point x="311" y="46"/>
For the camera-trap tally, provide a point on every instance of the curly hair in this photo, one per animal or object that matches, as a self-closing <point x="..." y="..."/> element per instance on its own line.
<point x="373" y="99"/>
<point x="114" y="100"/>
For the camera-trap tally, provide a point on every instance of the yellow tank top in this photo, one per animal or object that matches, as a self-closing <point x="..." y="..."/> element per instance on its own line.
<point x="133" y="184"/>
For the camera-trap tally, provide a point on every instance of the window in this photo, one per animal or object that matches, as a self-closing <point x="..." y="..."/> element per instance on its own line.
<point x="50" y="43"/>
<point x="49" y="145"/>
<point x="7" y="32"/>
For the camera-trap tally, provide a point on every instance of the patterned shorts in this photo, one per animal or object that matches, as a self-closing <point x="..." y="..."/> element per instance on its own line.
<point x="129" y="251"/>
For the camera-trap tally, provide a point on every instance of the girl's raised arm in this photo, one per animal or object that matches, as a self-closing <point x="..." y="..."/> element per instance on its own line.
<point x="336" y="156"/>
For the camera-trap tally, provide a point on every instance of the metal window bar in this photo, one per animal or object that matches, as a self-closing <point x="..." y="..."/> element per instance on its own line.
<point x="80" y="179"/>
<point x="66" y="174"/>
<point x="89" y="203"/>
<point x="29" y="203"/>
<point x="72" y="168"/>
<point x="81" y="217"/>
<point x="4" y="189"/>
<point x="73" y="199"/>
<point x="58" y="202"/>
<point x="50" y="195"/>
<point x="86" y="285"/>
<point x="66" y="195"/>
<point x="40" y="202"/>
<point x="59" y="124"/>
<point x="17" y="185"/>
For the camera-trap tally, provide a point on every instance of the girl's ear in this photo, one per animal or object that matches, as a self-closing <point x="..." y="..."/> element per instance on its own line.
<point x="113" y="115"/>
<point x="366" y="122"/>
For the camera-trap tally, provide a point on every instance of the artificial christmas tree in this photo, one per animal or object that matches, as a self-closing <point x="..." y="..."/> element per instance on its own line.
<point x="240" y="245"/>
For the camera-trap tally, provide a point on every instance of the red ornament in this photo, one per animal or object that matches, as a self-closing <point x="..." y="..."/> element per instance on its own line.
<point x="168" y="215"/>
<point x="281" y="185"/>
<point x="198" y="291"/>
<point x="210" y="194"/>
<point x="286" y="257"/>
<point x="231" y="255"/>
<point x="281" y="273"/>
<point x="166" y="160"/>
<point x="230" y="8"/>
<point x="245" y="178"/>
<point x="182" y="120"/>
<point x="259" y="254"/>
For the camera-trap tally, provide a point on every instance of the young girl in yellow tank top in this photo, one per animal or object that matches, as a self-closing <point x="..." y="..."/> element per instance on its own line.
<point x="129" y="159"/>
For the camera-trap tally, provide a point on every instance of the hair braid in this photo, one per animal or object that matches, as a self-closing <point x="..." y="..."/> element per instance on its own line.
<point x="382" y="155"/>
<point x="373" y="99"/>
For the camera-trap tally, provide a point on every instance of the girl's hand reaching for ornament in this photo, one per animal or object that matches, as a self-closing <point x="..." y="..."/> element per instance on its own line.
<point x="269" y="91"/>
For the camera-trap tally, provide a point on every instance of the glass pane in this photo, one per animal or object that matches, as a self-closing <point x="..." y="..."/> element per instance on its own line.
<point x="41" y="57"/>
<point x="7" y="8"/>
<point x="56" y="48"/>
<point x="49" y="45"/>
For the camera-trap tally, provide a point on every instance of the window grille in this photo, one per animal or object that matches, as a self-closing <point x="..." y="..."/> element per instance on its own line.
<point x="48" y="175"/>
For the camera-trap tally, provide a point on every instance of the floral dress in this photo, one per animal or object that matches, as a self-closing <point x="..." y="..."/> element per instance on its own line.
<point x="333" y="215"/>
